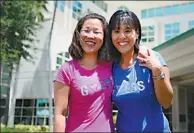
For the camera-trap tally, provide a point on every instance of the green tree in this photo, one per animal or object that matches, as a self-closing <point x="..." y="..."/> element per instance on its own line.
<point x="20" y="20"/>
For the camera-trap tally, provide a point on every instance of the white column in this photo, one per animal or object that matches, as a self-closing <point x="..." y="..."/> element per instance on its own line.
<point x="186" y="110"/>
<point x="175" y="110"/>
<point x="183" y="109"/>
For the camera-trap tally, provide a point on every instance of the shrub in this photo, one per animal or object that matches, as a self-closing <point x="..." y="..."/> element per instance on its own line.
<point x="25" y="128"/>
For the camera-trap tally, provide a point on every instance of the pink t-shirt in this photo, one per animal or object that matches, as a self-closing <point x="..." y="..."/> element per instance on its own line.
<point x="90" y="106"/>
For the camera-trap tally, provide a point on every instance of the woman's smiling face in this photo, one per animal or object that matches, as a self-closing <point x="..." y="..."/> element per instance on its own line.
<point x="125" y="33"/>
<point x="124" y="38"/>
<point x="91" y="36"/>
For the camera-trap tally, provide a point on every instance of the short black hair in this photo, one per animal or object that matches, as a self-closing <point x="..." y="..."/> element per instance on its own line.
<point x="75" y="49"/>
<point x="128" y="18"/>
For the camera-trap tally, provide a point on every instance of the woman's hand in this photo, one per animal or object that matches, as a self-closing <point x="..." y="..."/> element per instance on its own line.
<point x="148" y="59"/>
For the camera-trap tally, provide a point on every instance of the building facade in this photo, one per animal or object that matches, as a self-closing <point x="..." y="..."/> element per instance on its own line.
<point x="160" y="20"/>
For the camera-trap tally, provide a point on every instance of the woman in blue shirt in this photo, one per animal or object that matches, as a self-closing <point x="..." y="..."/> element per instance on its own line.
<point x="142" y="82"/>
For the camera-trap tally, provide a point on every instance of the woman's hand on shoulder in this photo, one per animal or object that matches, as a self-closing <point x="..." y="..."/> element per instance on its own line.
<point x="147" y="58"/>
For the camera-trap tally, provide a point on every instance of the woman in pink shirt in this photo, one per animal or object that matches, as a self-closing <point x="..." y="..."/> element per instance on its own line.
<point x="84" y="85"/>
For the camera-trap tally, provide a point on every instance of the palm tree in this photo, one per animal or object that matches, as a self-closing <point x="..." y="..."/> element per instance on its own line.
<point x="50" y="71"/>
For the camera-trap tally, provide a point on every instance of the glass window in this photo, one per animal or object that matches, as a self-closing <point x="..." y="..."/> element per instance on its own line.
<point x="42" y="102"/>
<point x="143" y="13"/>
<point x="151" y="27"/>
<point x="2" y="110"/>
<point x="101" y="4"/>
<point x="74" y="8"/>
<point x="151" y="33"/>
<point x="26" y="120"/>
<point x="18" y="102"/>
<point x="144" y="39"/>
<point x="144" y="28"/>
<point x="27" y="103"/>
<point x="61" y="54"/>
<point x="77" y="9"/>
<point x="191" y="24"/>
<point x="2" y="102"/>
<point x="167" y="26"/>
<point x="79" y="4"/>
<point x="167" y="37"/>
<point x="151" y="39"/>
<point x="176" y="25"/>
<point x="40" y="121"/>
<point x="18" y="111"/>
<point x="47" y="121"/>
<point x="62" y="57"/>
<point x="151" y="13"/>
<point x="160" y="11"/>
<point x="191" y="7"/>
<point x="184" y="8"/>
<point x="171" y="30"/>
<point x="59" y="60"/>
<point x="4" y="89"/>
<point x="175" y="31"/>
<point x="67" y="54"/>
<point x="5" y="69"/>
<point x="167" y="10"/>
<point x="27" y="111"/>
<point x="33" y="114"/>
<point x="17" y="120"/>
<point x="167" y="32"/>
<point x="147" y="34"/>
<point x="5" y="78"/>
<point x="57" y="67"/>
<point x="60" y="5"/>
<point x="144" y="34"/>
<point x="175" y="9"/>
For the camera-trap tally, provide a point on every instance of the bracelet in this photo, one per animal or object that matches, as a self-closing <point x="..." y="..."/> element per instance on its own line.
<point x="161" y="76"/>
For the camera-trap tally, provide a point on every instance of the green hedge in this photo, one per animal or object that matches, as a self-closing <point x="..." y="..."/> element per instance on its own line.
<point x="25" y="128"/>
<point x="31" y="128"/>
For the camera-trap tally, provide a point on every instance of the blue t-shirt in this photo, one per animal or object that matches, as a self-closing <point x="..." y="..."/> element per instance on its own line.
<point x="134" y="96"/>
